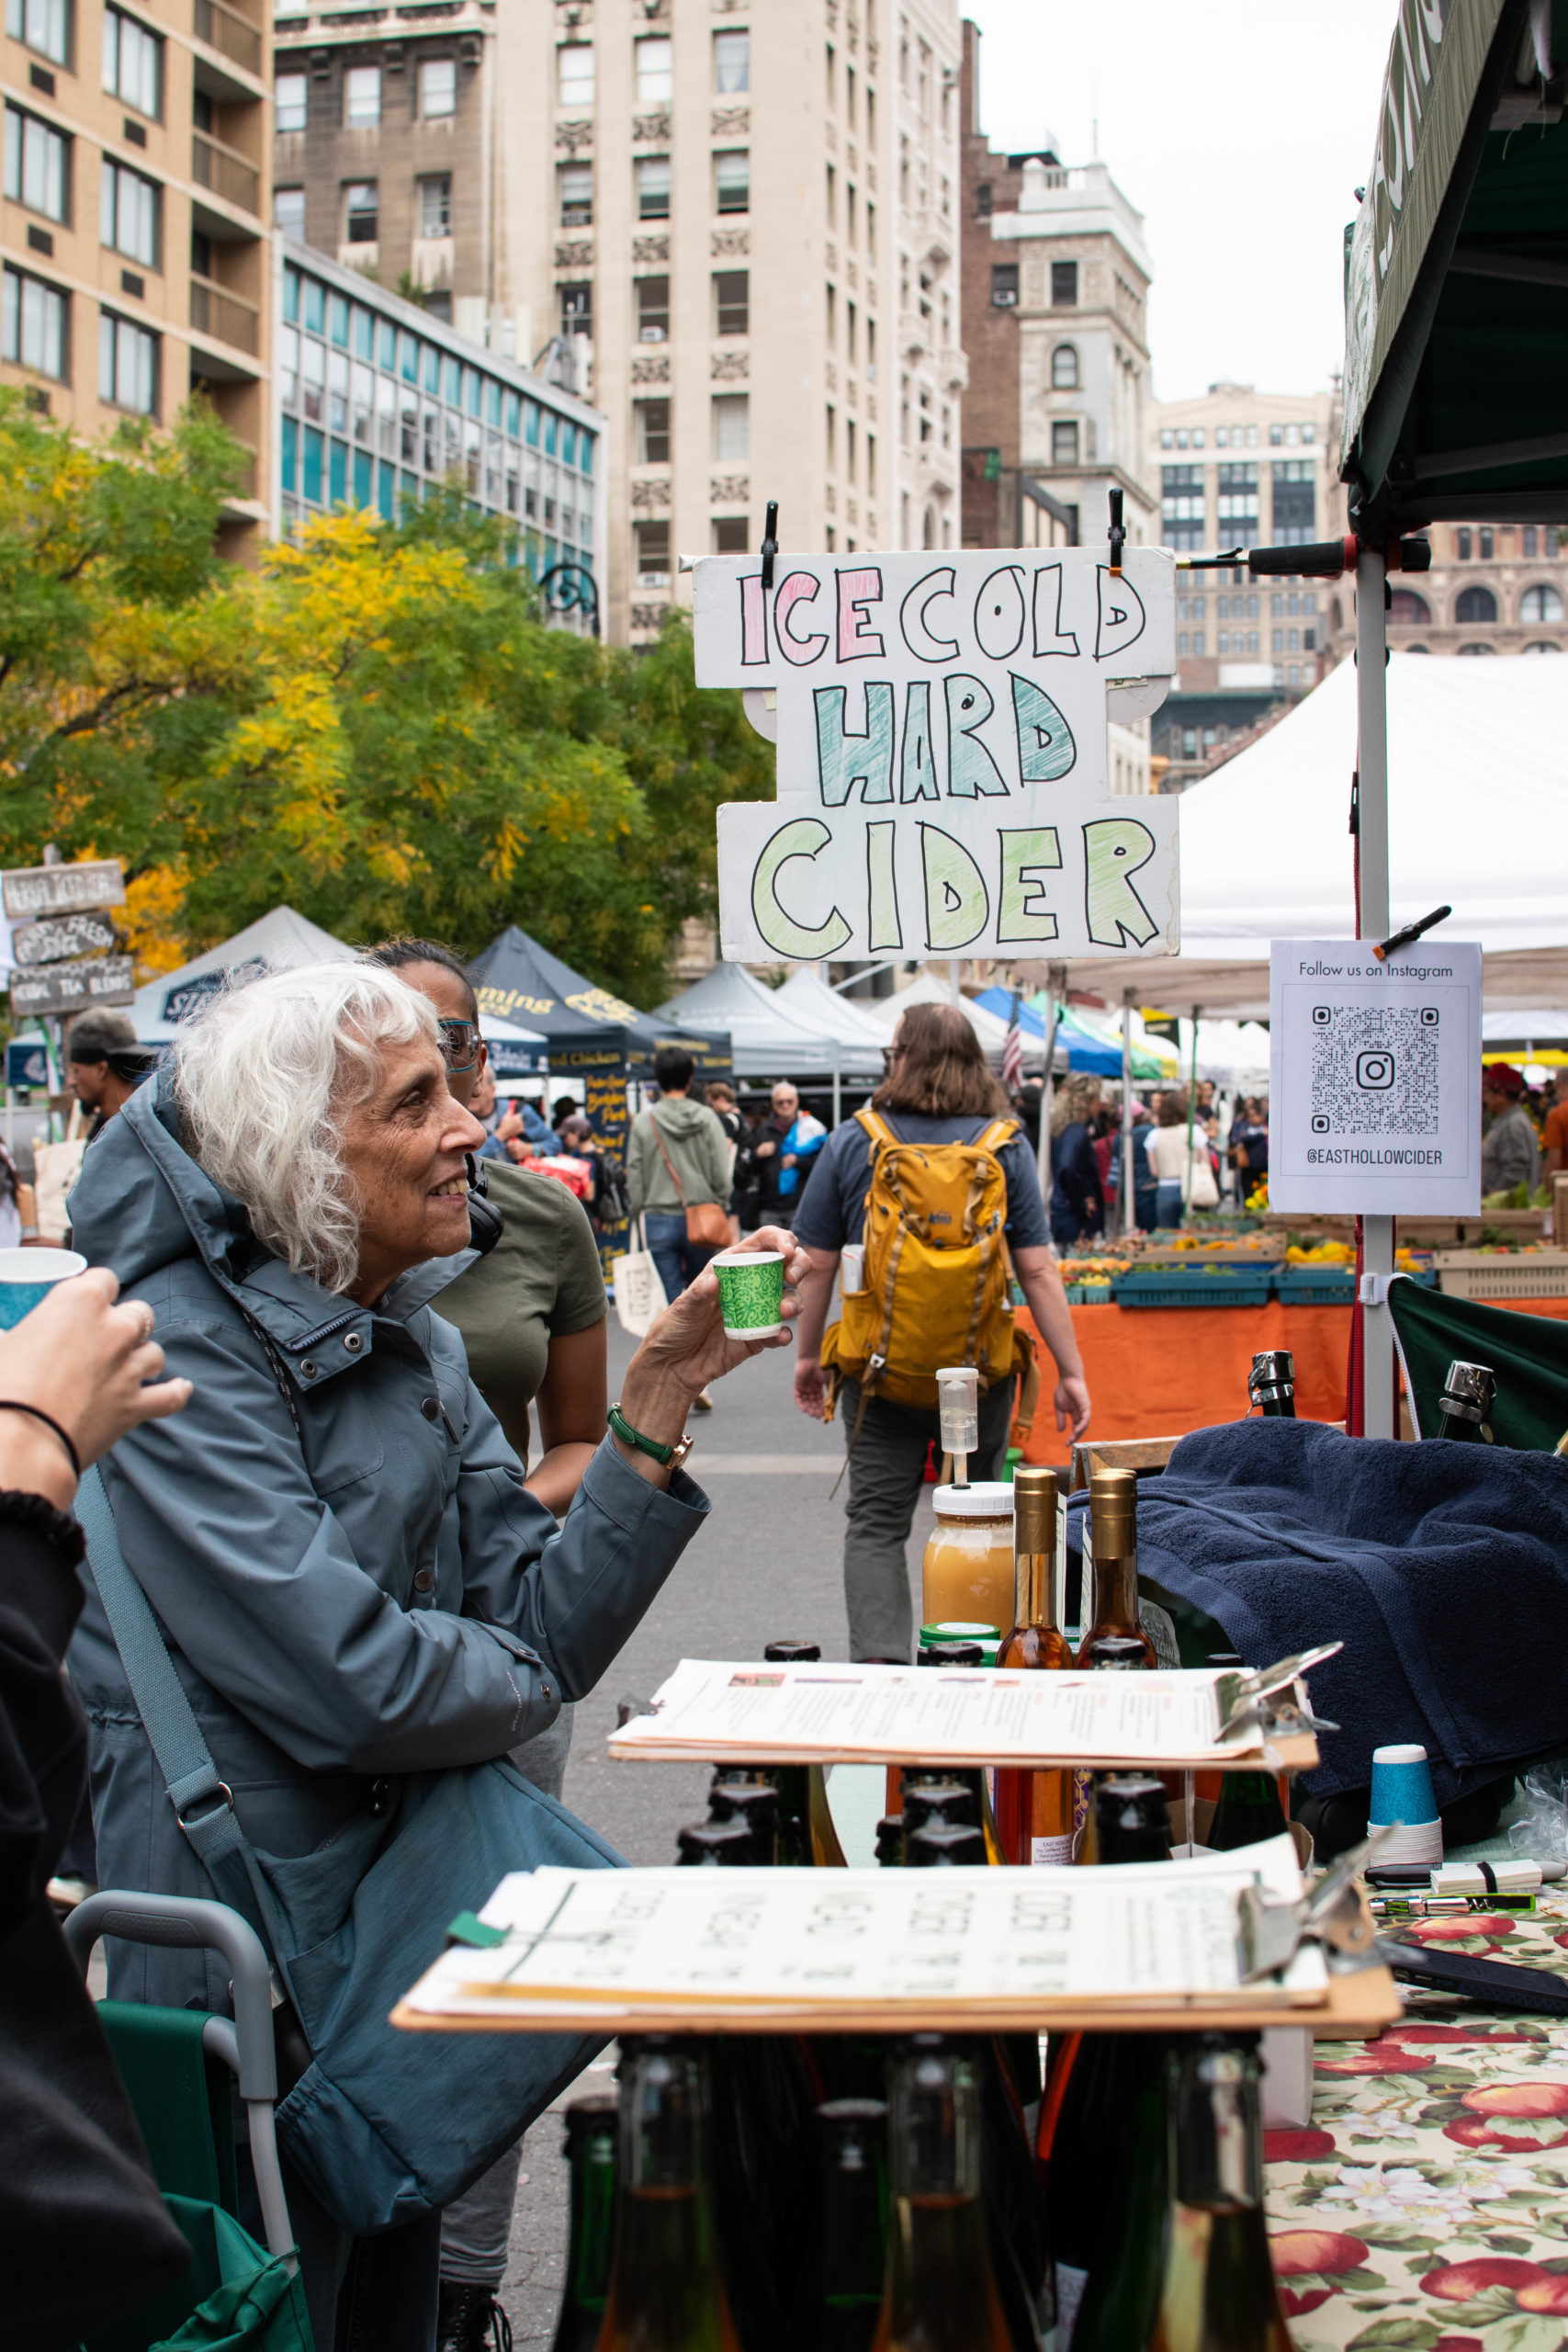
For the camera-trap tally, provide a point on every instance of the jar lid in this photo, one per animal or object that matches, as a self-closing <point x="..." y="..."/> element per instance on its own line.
<point x="985" y="1498"/>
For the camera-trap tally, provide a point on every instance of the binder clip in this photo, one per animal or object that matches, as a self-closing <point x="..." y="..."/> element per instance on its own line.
<point x="1116" y="535"/>
<point x="1258" y="1697"/>
<point x="770" y="543"/>
<point x="1331" y="1913"/>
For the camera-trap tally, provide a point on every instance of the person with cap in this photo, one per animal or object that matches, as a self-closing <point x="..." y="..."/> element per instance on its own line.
<point x="1509" y="1152"/>
<point x="105" y="1064"/>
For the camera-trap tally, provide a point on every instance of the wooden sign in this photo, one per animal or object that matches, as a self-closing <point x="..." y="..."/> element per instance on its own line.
<point x="72" y="987"/>
<point x="62" y="890"/>
<point x="50" y="942"/>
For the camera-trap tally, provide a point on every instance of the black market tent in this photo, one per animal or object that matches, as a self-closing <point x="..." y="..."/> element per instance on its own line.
<point x="587" y="1028"/>
<point x="1456" y="304"/>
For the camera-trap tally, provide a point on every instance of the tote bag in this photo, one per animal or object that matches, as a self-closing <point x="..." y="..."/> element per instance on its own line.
<point x="383" y="2125"/>
<point x="640" y="1292"/>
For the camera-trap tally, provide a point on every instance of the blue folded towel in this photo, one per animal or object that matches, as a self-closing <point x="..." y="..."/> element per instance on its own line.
<point x="1442" y="1568"/>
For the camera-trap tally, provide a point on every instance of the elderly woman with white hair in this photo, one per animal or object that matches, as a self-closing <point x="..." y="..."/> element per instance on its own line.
<point x="352" y="1580"/>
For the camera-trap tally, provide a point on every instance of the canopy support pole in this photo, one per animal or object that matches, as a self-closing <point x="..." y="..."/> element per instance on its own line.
<point x="1129" y="1186"/>
<point x="1373" y="921"/>
<point x="1055" y="979"/>
<point x="838" y="1112"/>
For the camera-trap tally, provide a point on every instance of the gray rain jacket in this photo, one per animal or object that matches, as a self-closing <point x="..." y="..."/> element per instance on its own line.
<point x="335" y="1536"/>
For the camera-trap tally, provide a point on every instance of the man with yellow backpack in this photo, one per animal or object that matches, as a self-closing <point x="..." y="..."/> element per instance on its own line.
<point x="937" y="1176"/>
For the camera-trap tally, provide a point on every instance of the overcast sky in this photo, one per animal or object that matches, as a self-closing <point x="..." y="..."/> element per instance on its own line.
<point x="1240" y="128"/>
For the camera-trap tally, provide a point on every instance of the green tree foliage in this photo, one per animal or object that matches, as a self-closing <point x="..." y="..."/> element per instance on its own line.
<point x="374" y="726"/>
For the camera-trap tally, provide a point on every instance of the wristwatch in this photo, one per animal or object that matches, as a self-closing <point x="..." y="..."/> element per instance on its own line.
<point x="672" y="1456"/>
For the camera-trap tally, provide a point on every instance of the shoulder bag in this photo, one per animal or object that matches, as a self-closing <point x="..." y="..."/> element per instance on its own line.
<point x="383" y="2125"/>
<point x="708" y="1222"/>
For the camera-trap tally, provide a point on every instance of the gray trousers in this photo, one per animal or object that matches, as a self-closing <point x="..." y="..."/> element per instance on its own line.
<point x="475" y="2230"/>
<point x="886" y="1466"/>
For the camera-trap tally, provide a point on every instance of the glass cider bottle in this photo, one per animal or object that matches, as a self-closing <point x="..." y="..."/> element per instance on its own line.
<point x="1217" y="2290"/>
<point x="1034" y="1809"/>
<point x="590" y="2133"/>
<point x="666" y="2291"/>
<point x="941" y="2293"/>
<point x="1113" y="1532"/>
<point x="850" y="2256"/>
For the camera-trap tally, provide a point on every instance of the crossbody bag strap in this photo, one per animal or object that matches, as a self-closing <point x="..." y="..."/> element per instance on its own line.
<point x="664" y="1156"/>
<point x="204" y="1806"/>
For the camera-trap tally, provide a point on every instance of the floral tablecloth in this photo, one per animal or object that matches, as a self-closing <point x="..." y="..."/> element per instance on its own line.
<point x="1425" y="2207"/>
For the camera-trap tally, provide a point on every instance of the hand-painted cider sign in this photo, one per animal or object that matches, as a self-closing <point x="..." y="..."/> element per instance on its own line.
<point x="942" y="767"/>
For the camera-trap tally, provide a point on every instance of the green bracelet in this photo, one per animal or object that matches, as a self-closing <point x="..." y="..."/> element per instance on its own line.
<point x="623" y="1429"/>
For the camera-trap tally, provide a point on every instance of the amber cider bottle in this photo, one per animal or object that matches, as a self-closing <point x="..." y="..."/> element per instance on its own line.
<point x="1034" y="1809"/>
<point x="1113" y="1533"/>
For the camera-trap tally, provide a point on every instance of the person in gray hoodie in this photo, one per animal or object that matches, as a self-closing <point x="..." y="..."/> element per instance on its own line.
<point x="678" y="1158"/>
<point x="353" y="1580"/>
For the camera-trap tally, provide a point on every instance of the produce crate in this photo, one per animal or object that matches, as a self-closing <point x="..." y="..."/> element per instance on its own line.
<point x="1316" y="1285"/>
<point x="1088" y="1293"/>
<point x="1151" y="1286"/>
<point x="1475" y="1274"/>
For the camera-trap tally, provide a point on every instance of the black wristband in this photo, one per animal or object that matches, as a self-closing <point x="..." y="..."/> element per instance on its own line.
<point x="13" y="1404"/>
<point x="36" y="1512"/>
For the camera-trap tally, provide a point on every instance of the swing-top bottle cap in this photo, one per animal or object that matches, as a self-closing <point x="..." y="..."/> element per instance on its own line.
<point x="1471" y="1384"/>
<point x="1034" y="1508"/>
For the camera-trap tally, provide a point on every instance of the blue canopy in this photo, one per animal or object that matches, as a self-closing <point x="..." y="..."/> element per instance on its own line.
<point x="1083" y="1049"/>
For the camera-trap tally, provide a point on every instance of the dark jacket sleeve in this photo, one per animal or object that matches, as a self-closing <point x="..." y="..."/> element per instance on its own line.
<point x="74" y="2174"/>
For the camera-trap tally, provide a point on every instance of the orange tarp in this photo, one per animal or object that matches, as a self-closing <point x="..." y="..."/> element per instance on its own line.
<point x="1161" y="1371"/>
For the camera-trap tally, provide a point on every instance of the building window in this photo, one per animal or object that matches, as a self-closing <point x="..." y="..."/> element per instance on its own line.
<point x="435" y="205"/>
<point x="1064" y="285"/>
<point x="655" y="72"/>
<point x="732" y="301"/>
<point x="289" y="212"/>
<point x="128" y="365"/>
<point x="731" y="535"/>
<point x="1541" y="604"/>
<point x="1463" y="544"/>
<point x="1478" y="649"/>
<point x="1527" y="539"/>
<point x="731" y="427"/>
<point x="361" y="97"/>
<point x="576" y="188"/>
<point x="290" y="102"/>
<point x="1531" y="649"/>
<point x="576" y="310"/>
<point x="133" y="65"/>
<point x="574" y="73"/>
<point x="1407" y="610"/>
<point x="1004" y="286"/>
<point x="129" y="214"/>
<point x="1295" y="503"/>
<point x="1181" y="507"/>
<point x="37" y="165"/>
<point x="653" y="188"/>
<point x="651" y="541"/>
<point x="652" y="310"/>
<point x="1472" y="604"/>
<point x="983" y="201"/>
<point x="33" y="328"/>
<point x="1485" y="545"/>
<point x="1064" y="443"/>
<point x="43" y="25"/>
<point x="437" y="87"/>
<point x="361" y="212"/>
<point x="732" y="180"/>
<point x="732" y="69"/>
<point x="1065" y="369"/>
<point x="650" y="421"/>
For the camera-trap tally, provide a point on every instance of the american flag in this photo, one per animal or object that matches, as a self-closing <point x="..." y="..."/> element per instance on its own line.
<point x="1012" y="1051"/>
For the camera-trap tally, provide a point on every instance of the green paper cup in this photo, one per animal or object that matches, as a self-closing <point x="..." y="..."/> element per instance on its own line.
<point x="750" y="1291"/>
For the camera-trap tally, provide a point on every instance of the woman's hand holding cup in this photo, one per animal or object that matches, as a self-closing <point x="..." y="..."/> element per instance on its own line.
<point x="689" y="1346"/>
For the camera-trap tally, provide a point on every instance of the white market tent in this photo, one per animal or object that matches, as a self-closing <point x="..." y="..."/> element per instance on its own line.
<point x="1478" y="818"/>
<point x="808" y="998"/>
<point x="767" y="1038"/>
<point x="926" y="988"/>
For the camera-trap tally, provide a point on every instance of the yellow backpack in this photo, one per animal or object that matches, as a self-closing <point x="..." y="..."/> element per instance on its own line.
<point x="938" y="1275"/>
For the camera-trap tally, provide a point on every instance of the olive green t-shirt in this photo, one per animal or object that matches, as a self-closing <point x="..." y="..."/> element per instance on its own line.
<point x="543" y="1278"/>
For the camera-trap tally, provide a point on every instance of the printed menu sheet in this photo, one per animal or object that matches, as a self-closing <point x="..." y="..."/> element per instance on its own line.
<point x="821" y="1714"/>
<point x="883" y="1947"/>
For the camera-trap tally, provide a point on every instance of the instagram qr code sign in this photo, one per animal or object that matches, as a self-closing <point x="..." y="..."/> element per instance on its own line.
<point x="1375" y="1103"/>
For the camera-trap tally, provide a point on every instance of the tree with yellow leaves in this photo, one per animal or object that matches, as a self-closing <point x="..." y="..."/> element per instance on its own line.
<point x="376" y="726"/>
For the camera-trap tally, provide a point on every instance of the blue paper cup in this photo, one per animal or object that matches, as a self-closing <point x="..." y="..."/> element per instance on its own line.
<point x="26" y="1277"/>
<point x="1402" y="1794"/>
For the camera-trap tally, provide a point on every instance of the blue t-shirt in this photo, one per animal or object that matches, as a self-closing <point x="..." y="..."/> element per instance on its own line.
<point x="833" y="1211"/>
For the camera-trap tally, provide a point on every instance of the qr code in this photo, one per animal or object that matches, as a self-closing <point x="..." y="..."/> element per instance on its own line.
<point x="1374" y="1070"/>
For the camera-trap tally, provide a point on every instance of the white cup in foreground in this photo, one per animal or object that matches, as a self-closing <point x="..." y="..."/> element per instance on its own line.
<point x="26" y="1277"/>
<point x="851" y="1269"/>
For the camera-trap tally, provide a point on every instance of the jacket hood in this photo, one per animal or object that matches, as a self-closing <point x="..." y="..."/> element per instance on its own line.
<point x="142" y="1201"/>
<point x="683" y="1116"/>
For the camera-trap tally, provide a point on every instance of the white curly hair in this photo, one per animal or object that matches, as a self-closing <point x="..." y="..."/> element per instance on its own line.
<point x="264" y="1079"/>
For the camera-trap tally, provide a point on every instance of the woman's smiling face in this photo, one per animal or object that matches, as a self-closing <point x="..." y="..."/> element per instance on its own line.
<point x="404" y="1148"/>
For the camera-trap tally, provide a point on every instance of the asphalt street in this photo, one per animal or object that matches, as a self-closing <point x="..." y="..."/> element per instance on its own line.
<point x="767" y="1567"/>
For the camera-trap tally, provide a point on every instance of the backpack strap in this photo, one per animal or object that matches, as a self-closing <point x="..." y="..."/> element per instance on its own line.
<point x="998" y="1135"/>
<point x="875" y="1126"/>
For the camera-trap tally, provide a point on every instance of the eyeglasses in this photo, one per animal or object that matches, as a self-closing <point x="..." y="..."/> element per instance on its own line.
<point x="890" y="1054"/>
<point x="459" y="1043"/>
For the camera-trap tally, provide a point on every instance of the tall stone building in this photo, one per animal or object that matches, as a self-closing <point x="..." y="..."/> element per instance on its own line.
<point x="133" y="220"/>
<point x="739" y="227"/>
